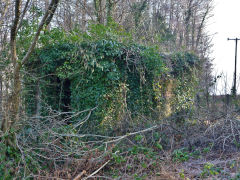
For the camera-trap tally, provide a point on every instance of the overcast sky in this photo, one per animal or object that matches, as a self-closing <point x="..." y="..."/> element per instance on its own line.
<point x="226" y="23"/>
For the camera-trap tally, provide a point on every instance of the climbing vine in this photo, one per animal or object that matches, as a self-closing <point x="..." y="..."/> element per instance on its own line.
<point x="120" y="78"/>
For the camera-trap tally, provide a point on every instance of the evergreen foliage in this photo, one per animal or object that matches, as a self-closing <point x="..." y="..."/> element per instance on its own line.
<point x="103" y="70"/>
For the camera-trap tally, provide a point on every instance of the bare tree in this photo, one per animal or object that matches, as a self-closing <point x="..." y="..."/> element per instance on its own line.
<point x="11" y="117"/>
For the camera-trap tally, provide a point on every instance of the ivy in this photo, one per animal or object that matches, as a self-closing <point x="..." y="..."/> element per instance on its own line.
<point x="122" y="79"/>
<point x="104" y="73"/>
<point x="183" y="62"/>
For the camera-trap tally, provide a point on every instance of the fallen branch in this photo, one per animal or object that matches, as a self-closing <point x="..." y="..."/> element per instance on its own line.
<point x="95" y="172"/>
<point x="78" y="177"/>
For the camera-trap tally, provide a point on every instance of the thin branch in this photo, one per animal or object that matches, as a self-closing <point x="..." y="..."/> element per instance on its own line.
<point x="46" y="19"/>
<point x="23" y="14"/>
<point x="95" y="172"/>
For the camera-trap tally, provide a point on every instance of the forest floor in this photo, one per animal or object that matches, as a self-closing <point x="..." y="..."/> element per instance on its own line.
<point x="139" y="167"/>
<point x="145" y="156"/>
<point x="209" y="166"/>
<point x="213" y="153"/>
<point x="197" y="149"/>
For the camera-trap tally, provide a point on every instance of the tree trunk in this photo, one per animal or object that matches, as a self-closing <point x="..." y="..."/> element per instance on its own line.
<point x="187" y="22"/>
<point x="12" y="107"/>
<point x="84" y="15"/>
<point x="99" y="8"/>
<point x="11" y="116"/>
<point x="13" y="103"/>
<point x="110" y="8"/>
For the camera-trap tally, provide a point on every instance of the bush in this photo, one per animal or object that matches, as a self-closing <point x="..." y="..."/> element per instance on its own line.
<point x="109" y="72"/>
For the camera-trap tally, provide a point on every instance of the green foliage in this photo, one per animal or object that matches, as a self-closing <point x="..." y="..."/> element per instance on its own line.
<point x="113" y="76"/>
<point x="28" y="30"/>
<point x="45" y="66"/>
<point x="185" y="92"/>
<point x="209" y="170"/>
<point x="104" y="76"/>
<point x="175" y="93"/>
<point x="103" y="68"/>
<point x="56" y="37"/>
<point x="184" y="95"/>
<point x="208" y="148"/>
<point x="128" y="158"/>
<point x="180" y="155"/>
<point x="118" y="159"/>
<point x="137" y="177"/>
<point x="112" y="31"/>
<point x="159" y="146"/>
<point x="182" y="175"/>
<point x="183" y="63"/>
<point x="138" y="137"/>
<point x="10" y="159"/>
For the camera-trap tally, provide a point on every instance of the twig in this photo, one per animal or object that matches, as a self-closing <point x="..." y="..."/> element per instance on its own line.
<point x="95" y="172"/>
<point x="80" y="175"/>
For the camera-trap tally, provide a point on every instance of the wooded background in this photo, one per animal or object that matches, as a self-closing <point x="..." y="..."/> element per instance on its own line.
<point x="89" y="73"/>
